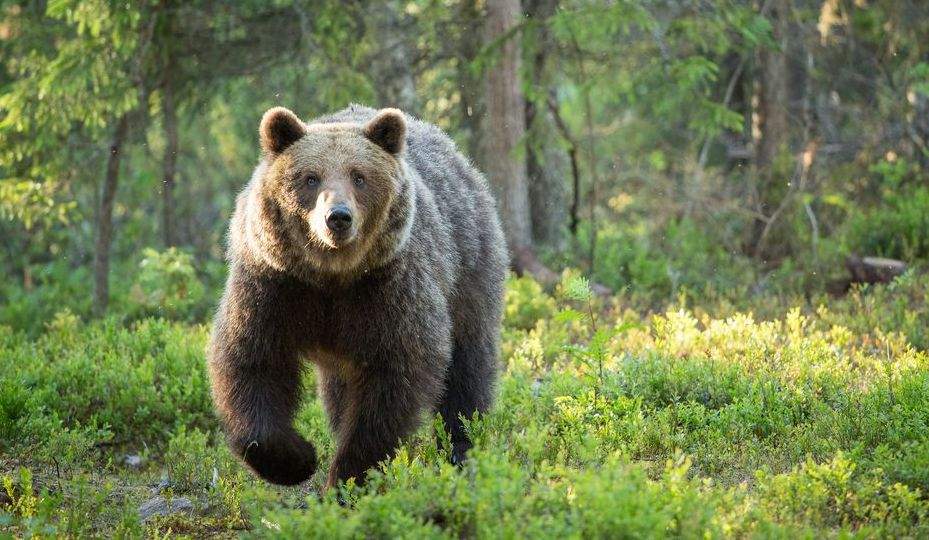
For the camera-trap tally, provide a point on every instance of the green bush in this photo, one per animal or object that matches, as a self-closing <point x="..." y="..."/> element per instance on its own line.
<point x="901" y="306"/>
<point x="606" y="425"/>
<point x="657" y="265"/>
<point x="168" y="286"/>
<point x="134" y="384"/>
<point x="526" y="303"/>
<point x="56" y="286"/>
<point x="895" y="228"/>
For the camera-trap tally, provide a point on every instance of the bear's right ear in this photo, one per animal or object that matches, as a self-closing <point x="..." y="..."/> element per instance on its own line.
<point x="279" y="129"/>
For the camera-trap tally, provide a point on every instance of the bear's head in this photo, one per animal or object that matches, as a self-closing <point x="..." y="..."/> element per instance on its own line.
<point x="333" y="197"/>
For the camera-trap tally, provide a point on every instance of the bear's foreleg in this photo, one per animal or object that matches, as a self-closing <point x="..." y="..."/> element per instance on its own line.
<point x="255" y="373"/>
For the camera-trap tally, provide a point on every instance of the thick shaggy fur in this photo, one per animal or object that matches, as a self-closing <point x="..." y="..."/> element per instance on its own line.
<point x="401" y="320"/>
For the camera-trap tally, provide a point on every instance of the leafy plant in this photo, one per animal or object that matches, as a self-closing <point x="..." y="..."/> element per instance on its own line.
<point x="168" y="285"/>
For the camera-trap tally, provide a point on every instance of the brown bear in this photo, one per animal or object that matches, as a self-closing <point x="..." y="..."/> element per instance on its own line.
<point x="366" y="244"/>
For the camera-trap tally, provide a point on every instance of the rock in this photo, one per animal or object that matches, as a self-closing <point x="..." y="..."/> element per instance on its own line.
<point x="214" y="481"/>
<point x="160" y="506"/>
<point x="162" y="484"/>
<point x="536" y="387"/>
<point x="133" y="461"/>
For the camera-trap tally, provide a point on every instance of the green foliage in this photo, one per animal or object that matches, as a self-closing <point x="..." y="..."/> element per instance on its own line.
<point x="167" y="285"/>
<point x="32" y="203"/>
<point x="526" y="303"/>
<point x="897" y="228"/>
<point x="900" y="306"/>
<point x="679" y="256"/>
<point x="718" y="394"/>
<point x="606" y="424"/>
<point x="49" y="513"/>
<point x="72" y="71"/>
<point x="57" y="287"/>
<point x="819" y="493"/>
<point x="101" y="384"/>
<point x="190" y="460"/>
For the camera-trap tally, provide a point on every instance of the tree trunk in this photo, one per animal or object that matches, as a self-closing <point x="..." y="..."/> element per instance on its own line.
<point x="573" y="213"/>
<point x="505" y="126"/>
<point x="169" y="123"/>
<point x="773" y="110"/>
<point x="546" y="163"/>
<point x="774" y="94"/>
<point x="469" y="84"/>
<point x="547" y="169"/>
<point x="393" y="70"/>
<point x="105" y="217"/>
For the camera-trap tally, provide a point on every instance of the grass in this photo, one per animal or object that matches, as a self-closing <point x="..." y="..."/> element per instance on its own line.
<point x="806" y="421"/>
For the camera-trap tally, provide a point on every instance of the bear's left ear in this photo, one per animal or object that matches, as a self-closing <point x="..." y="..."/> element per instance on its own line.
<point x="387" y="130"/>
<point x="279" y="129"/>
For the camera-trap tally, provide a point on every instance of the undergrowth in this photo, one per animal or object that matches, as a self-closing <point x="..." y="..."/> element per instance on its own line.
<point x="698" y="421"/>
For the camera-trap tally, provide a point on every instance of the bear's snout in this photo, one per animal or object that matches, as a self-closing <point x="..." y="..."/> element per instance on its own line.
<point x="339" y="219"/>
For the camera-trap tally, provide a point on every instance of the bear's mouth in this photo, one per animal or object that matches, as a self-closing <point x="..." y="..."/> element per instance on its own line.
<point x="332" y="240"/>
<point x="339" y="239"/>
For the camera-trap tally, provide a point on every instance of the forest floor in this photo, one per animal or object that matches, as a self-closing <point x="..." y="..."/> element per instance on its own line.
<point x="801" y="419"/>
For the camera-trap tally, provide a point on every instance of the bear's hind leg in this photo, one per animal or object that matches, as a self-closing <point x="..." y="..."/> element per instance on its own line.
<point x="382" y="409"/>
<point x="469" y="387"/>
<point x="332" y="391"/>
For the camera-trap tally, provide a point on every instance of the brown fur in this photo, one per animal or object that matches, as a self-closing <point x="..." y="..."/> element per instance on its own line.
<point x="400" y="315"/>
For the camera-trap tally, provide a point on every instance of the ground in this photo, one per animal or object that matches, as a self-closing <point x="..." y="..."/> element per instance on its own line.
<point x="807" y="417"/>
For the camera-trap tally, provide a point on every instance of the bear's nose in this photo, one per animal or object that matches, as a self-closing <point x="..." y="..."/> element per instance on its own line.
<point x="339" y="219"/>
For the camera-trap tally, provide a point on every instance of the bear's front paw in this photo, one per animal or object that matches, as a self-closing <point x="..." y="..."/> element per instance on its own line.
<point x="286" y="463"/>
<point x="460" y="452"/>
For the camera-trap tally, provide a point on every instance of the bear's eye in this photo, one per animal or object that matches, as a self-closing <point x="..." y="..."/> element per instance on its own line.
<point x="312" y="180"/>
<point x="358" y="179"/>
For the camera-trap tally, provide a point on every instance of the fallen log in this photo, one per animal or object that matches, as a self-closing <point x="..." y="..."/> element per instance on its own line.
<point x="874" y="269"/>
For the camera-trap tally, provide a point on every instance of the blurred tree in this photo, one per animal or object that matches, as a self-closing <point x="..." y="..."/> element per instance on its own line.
<point x="192" y="45"/>
<point x="169" y="124"/>
<point x="95" y="77"/>
<point x="675" y="140"/>
<point x="87" y="80"/>
<point x="503" y="140"/>
<point x="773" y="79"/>
<point x="104" y="237"/>
<point x="395" y="58"/>
<point x="773" y="123"/>
<point x="546" y="163"/>
<point x="468" y="81"/>
<point x="505" y="127"/>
